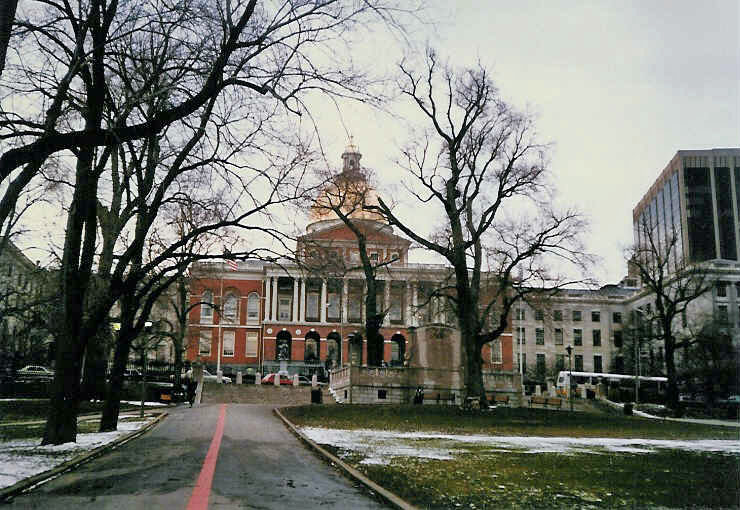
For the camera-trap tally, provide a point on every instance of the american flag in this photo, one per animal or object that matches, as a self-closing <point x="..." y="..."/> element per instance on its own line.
<point x="233" y="264"/>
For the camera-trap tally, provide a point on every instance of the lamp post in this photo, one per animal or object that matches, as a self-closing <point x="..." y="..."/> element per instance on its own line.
<point x="637" y="339"/>
<point x="569" y="349"/>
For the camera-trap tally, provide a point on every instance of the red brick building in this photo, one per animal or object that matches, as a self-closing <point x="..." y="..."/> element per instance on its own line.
<point x="307" y="318"/>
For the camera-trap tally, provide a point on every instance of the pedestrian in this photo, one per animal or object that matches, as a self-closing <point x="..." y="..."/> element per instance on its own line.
<point x="191" y="386"/>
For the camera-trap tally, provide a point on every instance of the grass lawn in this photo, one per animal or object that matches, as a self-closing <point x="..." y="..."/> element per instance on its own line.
<point x="37" y="409"/>
<point x="482" y="477"/>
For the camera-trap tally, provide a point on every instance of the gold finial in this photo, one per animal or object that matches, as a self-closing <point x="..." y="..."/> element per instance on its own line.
<point x="351" y="147"/>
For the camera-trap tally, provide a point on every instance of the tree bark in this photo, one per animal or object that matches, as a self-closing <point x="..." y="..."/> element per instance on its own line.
<point x="7" y="17"/>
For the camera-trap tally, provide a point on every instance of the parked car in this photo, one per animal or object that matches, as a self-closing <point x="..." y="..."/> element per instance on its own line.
<point x="285" y="379"/>
<point x="35" y="371"/>
<point x="731" y="401"/>
<point x="209" y="377"/>
<point x="306" y="381"/>
<point x="132" y="373"/>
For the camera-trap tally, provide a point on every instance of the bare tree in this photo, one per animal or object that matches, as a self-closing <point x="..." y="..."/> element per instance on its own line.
<point x="673" y="282"/>
<point x="481" y="168"/>
<point x="111" y="76"/>
<point x="346" y="196"/>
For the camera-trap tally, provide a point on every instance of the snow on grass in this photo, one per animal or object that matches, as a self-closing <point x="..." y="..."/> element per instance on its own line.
<point x="24" y="458"/>
<point x="378" y="447"/>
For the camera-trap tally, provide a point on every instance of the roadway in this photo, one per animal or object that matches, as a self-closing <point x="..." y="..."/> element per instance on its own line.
<point x="255" y="464"/>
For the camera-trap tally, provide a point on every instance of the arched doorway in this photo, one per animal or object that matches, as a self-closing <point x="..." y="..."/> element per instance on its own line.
<point x="398" y="350"/>
<point x="311" y="348"/>
<point x="355" y="349"/>
<point x="333" y="350"/>
<point x="283" y="347"/>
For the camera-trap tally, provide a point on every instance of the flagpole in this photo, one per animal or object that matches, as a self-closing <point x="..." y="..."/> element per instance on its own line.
<point x="220" y="333"/>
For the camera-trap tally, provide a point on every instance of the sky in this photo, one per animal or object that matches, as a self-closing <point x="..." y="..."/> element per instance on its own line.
<point x="617" y="87"/>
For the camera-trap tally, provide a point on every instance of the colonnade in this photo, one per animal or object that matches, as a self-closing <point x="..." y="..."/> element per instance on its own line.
<point x="299" y="300"/>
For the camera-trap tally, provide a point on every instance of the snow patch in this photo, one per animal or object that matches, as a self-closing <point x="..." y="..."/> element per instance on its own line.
<point x="378" y="446"/>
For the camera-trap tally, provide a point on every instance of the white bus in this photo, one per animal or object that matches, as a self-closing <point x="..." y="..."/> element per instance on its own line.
<point x="591" y="379"/>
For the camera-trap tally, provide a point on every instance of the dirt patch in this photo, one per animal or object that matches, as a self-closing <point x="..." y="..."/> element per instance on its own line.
<point x="261" y="394"/>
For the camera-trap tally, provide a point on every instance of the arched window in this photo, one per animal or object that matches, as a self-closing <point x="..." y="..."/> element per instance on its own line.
<point x="283" y="347"/>
<point x="311" y="350"/>
<point x="355" y="348"/>
<point x="206" y="308"/>
<point x="231" y="308"/>
<point x="333" y="350"/>
<point x="398" y="349"/>
<point x="253" y="308"/>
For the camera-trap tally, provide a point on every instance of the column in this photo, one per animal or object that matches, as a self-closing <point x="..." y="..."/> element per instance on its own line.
<point x="303" y="300"/>
<point x="345" y="297"/>
<point x="387" y="302"/>
<point x="323" y="300"/>
<point x="414" y="300"/>
<point x="409" y="314"/>
<point x="274" y="297"/>
<point x="294" y="317"/>
<point x="266" y="281"/>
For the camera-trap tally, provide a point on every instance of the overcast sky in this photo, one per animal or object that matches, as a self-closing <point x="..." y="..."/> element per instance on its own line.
<point x="618" y="87"/>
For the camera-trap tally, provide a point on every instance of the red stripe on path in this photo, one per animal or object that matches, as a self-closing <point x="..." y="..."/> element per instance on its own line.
<point x="199" y="498"/>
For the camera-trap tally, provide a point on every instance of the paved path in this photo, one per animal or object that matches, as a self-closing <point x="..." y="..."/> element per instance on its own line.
<point x="258" y="465"/>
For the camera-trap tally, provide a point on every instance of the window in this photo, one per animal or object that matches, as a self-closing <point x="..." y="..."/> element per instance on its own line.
<point x="397" y="303"/>
<point x="332" y="306"/>
<point x="617" y="317"/>
<point x="496" y="351"/>
<point x="578" y="363"/>
<point x="206" y="310"/>
<point x="597" y="337"/>
<point x="577" y="337"/>
<point x="618" y="338"/>
<point x="374" y="257"/>
<point x="284" y="308"/>
<point x="523" y="366"/>
<point x="595" y="316"/>
<point x="312" y="306"/>
<point x="520" y="315"/>
<point x="395" y="256"/>
<point x="597" y="363"/>
<point x="559" y="362"/>
<point x="231" y="308"/>
<point x="721" y="289"/>
<point x="539" y="336"/>
<point x="204" y="345"/>
<point x="539" y="314"/>
<point x="521" y="334"/>
<point x="253" y="308"/>
<point x="251" y="348"/>
<point x="558" y="336"/>
<point x="541" y="366"/>
<point x="382" y="394"/>
<point x="557" y="315"/>
<point x="228" y="342"/>
<point x="311" y="348"/>
<point x="722" y="314"/>
<point x="576" y="316"/>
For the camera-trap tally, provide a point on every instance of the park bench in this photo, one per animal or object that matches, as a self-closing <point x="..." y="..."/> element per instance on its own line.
<point x="498" y="399"/>
<point x="443" y="397"/>
<point x="546" y="402"/>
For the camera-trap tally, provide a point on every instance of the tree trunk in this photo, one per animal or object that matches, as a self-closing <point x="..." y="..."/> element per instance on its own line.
<point x="7" y="17"/>
<point x="373" y="321"/>
<point x="61" y="426"/>
<point x="670" y="365"/>
<point x="112" y="407"/>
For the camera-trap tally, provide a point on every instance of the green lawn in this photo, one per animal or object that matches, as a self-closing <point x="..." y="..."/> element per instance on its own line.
<point x="481" y="477"/>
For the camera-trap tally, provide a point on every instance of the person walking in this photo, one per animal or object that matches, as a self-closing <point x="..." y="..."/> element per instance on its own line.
<point x="191" y="385"/>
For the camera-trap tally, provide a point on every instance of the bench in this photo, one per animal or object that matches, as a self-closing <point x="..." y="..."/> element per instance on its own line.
<point x="442" y="396"/>
<point x="546" y="402"/>
<point x="498" y="399"/>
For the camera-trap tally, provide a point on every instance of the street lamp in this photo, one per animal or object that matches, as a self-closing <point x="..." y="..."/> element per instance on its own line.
<point x="637" y="355"/>
<point x="569" y="349"/>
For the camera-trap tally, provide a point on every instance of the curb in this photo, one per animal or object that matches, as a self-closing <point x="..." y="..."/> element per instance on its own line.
<point x="8" y="493"/>
<point x="390" y="497"/>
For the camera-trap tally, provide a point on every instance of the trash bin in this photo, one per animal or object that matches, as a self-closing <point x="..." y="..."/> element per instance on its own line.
<point x="316" y="396"/>
<point x="628" y="408"/>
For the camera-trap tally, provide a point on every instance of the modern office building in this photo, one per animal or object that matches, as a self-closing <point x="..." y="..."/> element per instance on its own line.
<point x="697" y="196"/>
